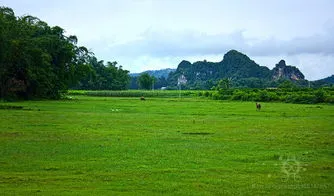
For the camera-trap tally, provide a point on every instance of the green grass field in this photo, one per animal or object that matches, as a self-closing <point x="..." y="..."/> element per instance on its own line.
<point x="171" y="146"/>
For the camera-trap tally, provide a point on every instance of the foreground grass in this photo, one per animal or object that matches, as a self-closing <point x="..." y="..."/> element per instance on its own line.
<point x="189" y="146"/>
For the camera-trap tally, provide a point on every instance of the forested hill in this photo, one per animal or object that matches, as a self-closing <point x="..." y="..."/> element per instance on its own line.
<point x="156" y="73"/>
<point x="235" y="66"/>
<point x="329" y="79"/>
<point x="324" y="82"/>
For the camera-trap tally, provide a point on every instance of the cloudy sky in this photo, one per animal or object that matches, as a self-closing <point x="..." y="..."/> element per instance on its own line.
<point x="155" y="34"/>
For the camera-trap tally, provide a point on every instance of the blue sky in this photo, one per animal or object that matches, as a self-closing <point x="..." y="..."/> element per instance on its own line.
<point x="155" y="34"/>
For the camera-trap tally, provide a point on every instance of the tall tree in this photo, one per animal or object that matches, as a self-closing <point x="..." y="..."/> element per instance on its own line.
<point x="104" y="77"/>
<point x="145" y="81"/>
<point x="37" y="60"/>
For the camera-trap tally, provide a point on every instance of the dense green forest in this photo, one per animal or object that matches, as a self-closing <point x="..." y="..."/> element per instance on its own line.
<point x="39" y="61"/>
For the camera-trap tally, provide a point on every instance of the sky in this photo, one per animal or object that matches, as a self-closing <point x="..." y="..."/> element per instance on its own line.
<point x="154" y="34"/>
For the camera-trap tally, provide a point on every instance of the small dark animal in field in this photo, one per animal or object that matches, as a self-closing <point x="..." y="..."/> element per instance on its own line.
<point x="142" y="98"/>
<point x="258" y="106"/>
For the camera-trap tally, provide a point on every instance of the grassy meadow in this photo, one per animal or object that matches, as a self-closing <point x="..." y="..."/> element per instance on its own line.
<point x="189" y="146"/>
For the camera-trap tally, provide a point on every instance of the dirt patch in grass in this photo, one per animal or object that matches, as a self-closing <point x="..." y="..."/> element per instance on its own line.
<point x="11" y="107"/>
<point x="15" y="107"/>
<point x="9" y="134"/>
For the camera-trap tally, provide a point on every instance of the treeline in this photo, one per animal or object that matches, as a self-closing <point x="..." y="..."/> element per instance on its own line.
<point x="39" y="61"/>
<point x="248" y="83"/>
<point x="147" y="82"/>
<point x="135" y="93"/>
<point x="288" y="95"/>
<point x="104" y="77"/>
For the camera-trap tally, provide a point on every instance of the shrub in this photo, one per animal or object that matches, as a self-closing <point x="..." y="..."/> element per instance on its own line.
<point x="297" y="95"/>
<point x="319" y="96"/>
<point x="207" y="94"/>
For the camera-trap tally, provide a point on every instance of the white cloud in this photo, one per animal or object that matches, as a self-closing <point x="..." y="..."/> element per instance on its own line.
<point x="314" y="55"/>
<point x="167" y="43"/>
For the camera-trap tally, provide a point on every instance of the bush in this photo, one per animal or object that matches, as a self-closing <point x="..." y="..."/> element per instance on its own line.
<point x="319" y="96"/>
<point x="300" y="98"/>
<point x="241" y="95"/>
<point x="297" y="95"/>
<point x="329" y="99"/>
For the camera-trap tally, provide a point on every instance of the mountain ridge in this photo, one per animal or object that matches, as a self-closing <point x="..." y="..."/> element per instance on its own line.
<point x="238" y="68"/>
<point x="324" y="81"/>
<point x="156" y="73"/>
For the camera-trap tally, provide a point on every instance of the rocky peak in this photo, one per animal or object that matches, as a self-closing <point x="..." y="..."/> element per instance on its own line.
<point x="284" y="71"/>
<point x="281" y="64"/>
<point x="184" y="65"/>
<point x="233" y="54"/>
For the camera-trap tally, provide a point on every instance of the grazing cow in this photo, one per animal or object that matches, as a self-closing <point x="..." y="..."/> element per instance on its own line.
<point x="142" y="98"/>
<point x="258" y="106"/>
